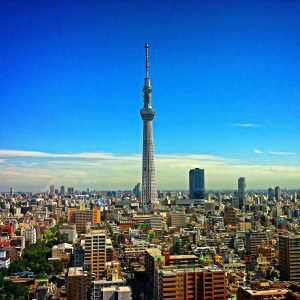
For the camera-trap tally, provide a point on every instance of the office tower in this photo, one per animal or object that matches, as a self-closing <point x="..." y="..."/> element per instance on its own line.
<point x="78" y="283"/>
<point x="95" y="253"/>
<point x="137" y="190"/>
<point x="242" y="191"/>
<point x="197" y="183"/>
<point x="289" y="258"/>
<point x="62" y="190"/>
<point x="149" y="196"/>
<point x="277" y="193"/>
<point x="190" y="283"/>
<point x="11" y="192"/>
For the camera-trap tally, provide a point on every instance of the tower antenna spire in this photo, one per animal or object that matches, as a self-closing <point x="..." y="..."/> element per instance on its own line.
<point x="147" y="59"/>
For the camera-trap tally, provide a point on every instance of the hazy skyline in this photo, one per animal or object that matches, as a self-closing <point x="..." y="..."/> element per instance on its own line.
<point x="225" y="78"/>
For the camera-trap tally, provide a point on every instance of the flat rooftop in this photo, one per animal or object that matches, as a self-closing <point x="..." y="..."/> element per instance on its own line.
<point x="267" y="292"/>
<point x="124" y="289"/>
<point x="190" y="256"/>
<point x="173" y="270"/>
<point x="76" y="271"/>
<point x="154" y="251"/>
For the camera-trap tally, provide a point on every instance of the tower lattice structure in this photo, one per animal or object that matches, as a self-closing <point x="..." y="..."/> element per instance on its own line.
<point x="149" y="195"/>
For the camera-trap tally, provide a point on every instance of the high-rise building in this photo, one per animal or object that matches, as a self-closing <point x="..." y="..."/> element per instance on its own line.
<point x="289" y="259"/>
<point x="270" y="194"/>
<point x="62" y="190"/>
<point x="95" y="253"/>
<point x="78" y="283"/>
<point x="197" y="183"/>
<point x="242" y="191"/>
<point x="277" y="193"/>
<point x="149" y="196"/>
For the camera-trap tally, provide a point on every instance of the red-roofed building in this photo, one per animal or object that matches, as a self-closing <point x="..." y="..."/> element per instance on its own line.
<point x="7" y="228"/>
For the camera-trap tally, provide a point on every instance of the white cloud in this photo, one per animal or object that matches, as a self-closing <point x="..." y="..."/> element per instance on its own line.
<point x="281" y="153"/>
<point x="104" y="171"/>
<point x="21" y="153"/>
<point x="256" y="151"/>
<point x="246" y="125"/>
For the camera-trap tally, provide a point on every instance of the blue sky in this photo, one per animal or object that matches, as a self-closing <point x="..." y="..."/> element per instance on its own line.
<point x="225" y="77"/>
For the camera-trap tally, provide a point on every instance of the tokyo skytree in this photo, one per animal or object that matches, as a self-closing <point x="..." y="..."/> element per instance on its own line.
<point x="149" y="196"/>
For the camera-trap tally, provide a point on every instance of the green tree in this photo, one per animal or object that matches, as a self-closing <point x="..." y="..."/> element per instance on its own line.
<point x="57" y="266"/>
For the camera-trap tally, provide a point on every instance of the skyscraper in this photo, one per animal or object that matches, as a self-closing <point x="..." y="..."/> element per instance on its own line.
<point x="62" y="190"/>
<point x="270" y="194"/>
<point x="277" y="193"/>
<point x="197" y="183"/>
<point x="148" y="168"/>
<point x="242" y="191"/>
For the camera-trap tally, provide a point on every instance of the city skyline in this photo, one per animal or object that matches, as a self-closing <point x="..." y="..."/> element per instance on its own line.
<point x="70" y="93"/>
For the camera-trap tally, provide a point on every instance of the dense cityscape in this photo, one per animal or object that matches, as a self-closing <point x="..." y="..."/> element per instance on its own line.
<point x="149" y="244"/>
<point x="109" y="194"/>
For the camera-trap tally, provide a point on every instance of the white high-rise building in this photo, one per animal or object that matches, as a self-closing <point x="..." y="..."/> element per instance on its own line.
<point x="149" y="196"/>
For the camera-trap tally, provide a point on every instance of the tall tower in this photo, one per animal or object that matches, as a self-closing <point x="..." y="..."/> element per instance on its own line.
<point x="242" y="192"/>
<point x="147" y="114"/>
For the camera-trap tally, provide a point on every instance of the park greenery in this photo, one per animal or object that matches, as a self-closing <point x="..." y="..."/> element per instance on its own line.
<point x="34" y="259"/>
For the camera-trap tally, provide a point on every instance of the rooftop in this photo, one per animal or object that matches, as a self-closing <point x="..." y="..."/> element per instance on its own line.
<point x="76" y="272"/>
<point x="154" y="251"/>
